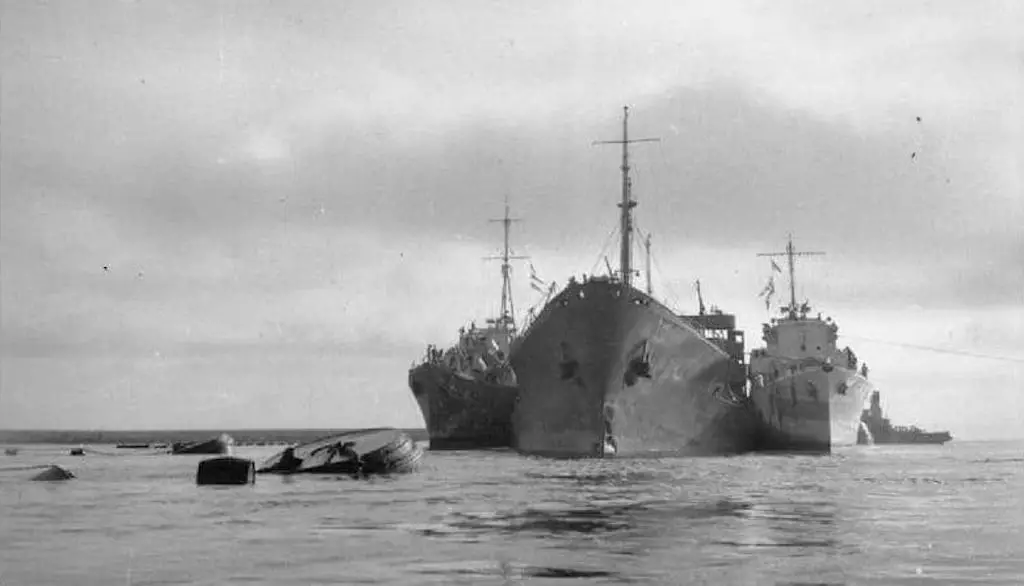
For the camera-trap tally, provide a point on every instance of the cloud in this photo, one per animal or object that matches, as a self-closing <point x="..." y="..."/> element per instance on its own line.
<point x="317" y="178"/>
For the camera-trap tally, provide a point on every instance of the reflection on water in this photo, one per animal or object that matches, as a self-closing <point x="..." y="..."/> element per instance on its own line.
<point x="697" y="516"/>
<point x="877" y="515"/>
<point x="597" y="518"/>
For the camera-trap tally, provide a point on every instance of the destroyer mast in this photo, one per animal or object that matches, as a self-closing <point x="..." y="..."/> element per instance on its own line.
<point x="790" y="253"/>
<point x="506" y="319"/>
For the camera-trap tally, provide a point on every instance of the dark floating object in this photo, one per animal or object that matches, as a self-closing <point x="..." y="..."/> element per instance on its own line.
<point x="357" y="453"/>
<point x="77" y="451"/>
<point x="53" y="473"/>
<point x="11" y="452"/>
<point x="218" y="445"/>
<point x="227" y="470"/>
<point x="130" y="446"/>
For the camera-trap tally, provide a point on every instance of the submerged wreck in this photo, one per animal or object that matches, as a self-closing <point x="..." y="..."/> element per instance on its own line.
<point x="219" y="445"/>
<point x="357" y="453"/>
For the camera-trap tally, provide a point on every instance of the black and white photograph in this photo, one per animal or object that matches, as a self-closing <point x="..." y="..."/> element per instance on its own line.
<point x="511" y="292"/>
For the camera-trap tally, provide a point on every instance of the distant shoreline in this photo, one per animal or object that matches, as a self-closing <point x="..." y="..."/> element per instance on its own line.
<point x="245" y="436"/>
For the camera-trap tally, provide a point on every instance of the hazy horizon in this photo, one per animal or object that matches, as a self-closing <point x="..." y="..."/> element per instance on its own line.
<point x="241" y="215"/>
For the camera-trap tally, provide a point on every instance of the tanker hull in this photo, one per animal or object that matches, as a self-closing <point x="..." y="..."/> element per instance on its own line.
<point x="605" y="370"/>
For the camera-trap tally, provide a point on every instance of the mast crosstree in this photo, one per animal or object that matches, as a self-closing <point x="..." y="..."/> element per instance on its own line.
<point x="628" y="203"/>
<point x="507" y="318"/>
<point x="790" y="255"/>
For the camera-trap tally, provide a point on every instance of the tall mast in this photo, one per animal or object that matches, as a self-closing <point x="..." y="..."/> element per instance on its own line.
<point x="627" y="204"/>
<point x="647" y="271"/>
<point x="508" y="310"/>
<point x="790" y="254"/>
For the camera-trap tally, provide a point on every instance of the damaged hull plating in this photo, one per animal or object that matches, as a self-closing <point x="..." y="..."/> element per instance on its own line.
<point x="607" y="370"/>
<point x="462" y="413"/>
<point x="811" y="409"/>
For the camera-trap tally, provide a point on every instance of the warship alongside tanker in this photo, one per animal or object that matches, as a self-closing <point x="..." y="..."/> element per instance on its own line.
<point x="467" y="392"/>
<point x="807" y="393"/>
<point x="607" y="370"/>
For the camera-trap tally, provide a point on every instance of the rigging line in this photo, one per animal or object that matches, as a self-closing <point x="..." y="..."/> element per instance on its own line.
<point x="939" y="350"/>
<point x="604" y="248"/>
<point x="673" y="298"/>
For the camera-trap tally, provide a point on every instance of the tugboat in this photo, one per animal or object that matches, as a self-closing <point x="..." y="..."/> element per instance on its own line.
<point x="807" y="393"/>
<point x="876" y="429"/>
<point x="467" y="392"/>
<point x="605" y="369"/>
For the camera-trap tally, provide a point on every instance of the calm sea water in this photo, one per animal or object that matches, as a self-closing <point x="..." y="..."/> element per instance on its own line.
<point x="949" y="514"/>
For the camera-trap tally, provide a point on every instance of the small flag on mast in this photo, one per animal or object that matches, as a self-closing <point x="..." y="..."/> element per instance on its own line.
<point x="768" y="291"/>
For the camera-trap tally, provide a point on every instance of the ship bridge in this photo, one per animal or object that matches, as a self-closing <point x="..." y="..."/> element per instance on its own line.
<point x="801" y="338"/>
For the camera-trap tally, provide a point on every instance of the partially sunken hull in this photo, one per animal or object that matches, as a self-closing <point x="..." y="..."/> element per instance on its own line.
<point x="462" y="413"/>
<point x="811" y="409"/>
<point x="219" y="445"/>
<point x="583" y="383"/>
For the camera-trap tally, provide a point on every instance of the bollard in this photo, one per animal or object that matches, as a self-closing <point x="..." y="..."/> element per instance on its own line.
<point x="53" y="473"/>
<point x="227" y="470"/>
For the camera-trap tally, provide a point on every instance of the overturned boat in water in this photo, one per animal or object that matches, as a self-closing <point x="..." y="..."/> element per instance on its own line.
<point x="365" y="452"/>
<point x="219" y="445"/>
<point x="606" y="369"/>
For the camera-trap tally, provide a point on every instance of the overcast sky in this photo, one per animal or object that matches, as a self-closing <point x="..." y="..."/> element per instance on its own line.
<point x="258" y="214"/>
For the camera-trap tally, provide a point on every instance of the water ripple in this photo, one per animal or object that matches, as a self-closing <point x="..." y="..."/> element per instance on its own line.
<point x="951" y="514"/>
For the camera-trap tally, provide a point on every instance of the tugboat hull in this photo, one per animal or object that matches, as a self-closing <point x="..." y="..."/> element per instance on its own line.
<point x="462" y="413"/>
<point x="606" y="370"/>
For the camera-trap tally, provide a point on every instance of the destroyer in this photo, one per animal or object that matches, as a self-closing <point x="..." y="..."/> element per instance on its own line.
<point x="606" y="369"/>
<point x="807" y="393"/>
<point x="467" y="392"/>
